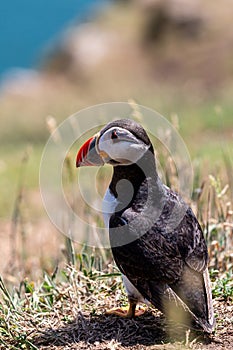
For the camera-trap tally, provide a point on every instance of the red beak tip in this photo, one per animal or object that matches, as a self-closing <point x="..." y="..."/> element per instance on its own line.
<point x="78" y="162"/>
<point x="83" y="152"/>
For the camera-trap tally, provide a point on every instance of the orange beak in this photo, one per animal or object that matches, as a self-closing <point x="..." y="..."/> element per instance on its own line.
<point x="88" y="154"/>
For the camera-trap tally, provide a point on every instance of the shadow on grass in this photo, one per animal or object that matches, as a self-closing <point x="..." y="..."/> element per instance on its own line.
<point x="148" y="329"/>
<point x="91" y="329"/>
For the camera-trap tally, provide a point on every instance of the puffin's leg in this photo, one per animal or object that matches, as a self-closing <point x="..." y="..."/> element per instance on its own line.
<point x="132" y="308"/>
<point x="127" y="312"/>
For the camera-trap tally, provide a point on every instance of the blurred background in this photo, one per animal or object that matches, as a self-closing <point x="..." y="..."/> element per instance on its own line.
<point x="58" y="57"/>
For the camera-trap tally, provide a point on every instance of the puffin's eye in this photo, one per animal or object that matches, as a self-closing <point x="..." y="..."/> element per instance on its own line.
<point x="114" y="135"/>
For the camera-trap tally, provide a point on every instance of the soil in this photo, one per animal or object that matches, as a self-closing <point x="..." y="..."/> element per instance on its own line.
<point x="147" y="332"/>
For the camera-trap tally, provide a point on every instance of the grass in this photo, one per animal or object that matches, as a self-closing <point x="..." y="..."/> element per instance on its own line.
<point x="31" y="308"/>
<point x="15" y="169"/>
<point x="223" y="286"/>
<point x="67" y="309"/>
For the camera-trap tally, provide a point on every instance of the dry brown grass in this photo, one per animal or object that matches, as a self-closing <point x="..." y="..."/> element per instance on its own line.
<point x="71" y="315"/>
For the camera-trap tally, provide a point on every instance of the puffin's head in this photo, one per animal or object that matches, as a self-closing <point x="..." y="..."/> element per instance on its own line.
<point x="121" y="142"/>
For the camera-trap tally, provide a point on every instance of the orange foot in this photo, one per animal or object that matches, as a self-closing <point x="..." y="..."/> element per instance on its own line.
<point x="127" y="312"/>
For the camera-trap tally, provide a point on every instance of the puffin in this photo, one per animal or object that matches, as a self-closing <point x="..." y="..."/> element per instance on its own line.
<point x="156" y="240"/>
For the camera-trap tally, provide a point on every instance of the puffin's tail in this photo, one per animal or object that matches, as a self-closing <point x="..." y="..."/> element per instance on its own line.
<point x="168" y="301"/>
<point x="177" y="310"/>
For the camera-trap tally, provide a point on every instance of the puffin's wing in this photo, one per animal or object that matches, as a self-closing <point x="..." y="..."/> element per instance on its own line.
<point x="191" y="242"/>
<point x="149" y="256"/>
<point x="194" y="287"/>
<point x="170" y="272"/>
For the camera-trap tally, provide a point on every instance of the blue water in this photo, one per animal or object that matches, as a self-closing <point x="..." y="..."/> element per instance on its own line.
<point x="27" y="27"/>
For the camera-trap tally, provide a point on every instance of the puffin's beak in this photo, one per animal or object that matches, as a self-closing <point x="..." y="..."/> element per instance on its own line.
<point x="88" y="154"/>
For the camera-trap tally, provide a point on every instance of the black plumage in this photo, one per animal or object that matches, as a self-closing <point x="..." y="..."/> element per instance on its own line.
<point x="156" y="240"/>
<point x="159" y="244"/>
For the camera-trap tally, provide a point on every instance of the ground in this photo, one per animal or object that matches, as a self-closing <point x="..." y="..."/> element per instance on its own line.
<point x="145" y="333"/>
<point x="72" y="315"/>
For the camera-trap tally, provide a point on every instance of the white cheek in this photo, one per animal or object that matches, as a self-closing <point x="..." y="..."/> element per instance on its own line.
<point x="123" y="150"/>
<point x="135" y="152"/>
